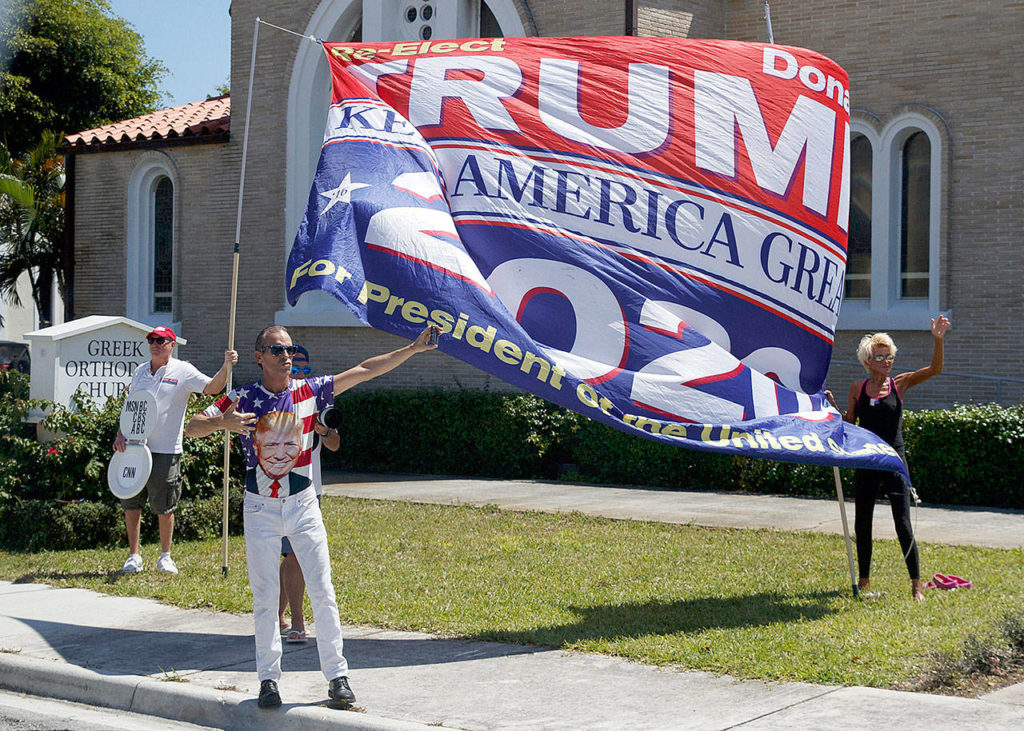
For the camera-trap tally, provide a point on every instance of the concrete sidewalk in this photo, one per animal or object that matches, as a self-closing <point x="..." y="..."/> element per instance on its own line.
<point x="134" y="653"/>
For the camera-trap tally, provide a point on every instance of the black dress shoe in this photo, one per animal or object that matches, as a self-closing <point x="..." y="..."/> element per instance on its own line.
<point x="269" y="697"/>
<point x="340" y="694"/>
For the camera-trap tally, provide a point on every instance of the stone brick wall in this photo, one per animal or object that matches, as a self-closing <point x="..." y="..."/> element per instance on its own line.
<point x="956" y="385"/>
<point x="958" y="59"/>
<point x="100" y="221"/>
<point x="579" y="17"/>
<point x="203" y="237"/>
<point x="680" y="18"/>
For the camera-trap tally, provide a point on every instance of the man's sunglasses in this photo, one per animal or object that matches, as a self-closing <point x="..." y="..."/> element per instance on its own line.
<point x="279" y="350"/>
<point x="880" y="358"/>
<point x="304" y="370"/>
<point x="157" y="341"/>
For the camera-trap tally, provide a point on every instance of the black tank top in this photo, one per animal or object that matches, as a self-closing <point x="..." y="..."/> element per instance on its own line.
<point x="884" y="416"/>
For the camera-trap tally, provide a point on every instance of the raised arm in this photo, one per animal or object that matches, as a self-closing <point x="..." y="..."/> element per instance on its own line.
<point x="381" y="364"/>
<point x="217" y="383"/>
<point x="850" y="414"/>
<point x="239" y="422"/>
<point x="851" y="405"/>
<point x="906" y="380"/>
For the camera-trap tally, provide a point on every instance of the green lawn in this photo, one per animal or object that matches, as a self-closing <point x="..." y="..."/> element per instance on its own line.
<point x="751" y="603"/>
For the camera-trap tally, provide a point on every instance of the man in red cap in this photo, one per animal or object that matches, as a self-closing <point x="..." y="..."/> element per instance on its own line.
<point x="171" y="382"/>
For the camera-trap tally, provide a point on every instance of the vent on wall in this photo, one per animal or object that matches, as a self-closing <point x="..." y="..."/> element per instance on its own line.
<point x="418" y="16"/>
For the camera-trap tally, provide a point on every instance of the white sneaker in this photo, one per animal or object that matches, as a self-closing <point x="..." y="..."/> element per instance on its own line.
<point x="133" y="565"/>
<point x="166" y="564"/>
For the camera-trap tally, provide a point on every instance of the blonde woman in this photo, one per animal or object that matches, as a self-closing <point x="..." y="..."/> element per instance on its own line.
<point x="876" y="403"/>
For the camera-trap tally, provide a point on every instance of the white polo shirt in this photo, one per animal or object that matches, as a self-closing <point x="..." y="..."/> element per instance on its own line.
<point x="171" y="386"/>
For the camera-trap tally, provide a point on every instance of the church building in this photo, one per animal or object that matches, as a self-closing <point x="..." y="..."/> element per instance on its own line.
<point x="937" y="176"/>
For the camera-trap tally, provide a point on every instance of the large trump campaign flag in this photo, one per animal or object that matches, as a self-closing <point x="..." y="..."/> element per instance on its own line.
<point x="649" y="231"/>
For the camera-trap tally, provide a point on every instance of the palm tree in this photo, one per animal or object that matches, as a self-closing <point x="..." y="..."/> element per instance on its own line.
<point x="32" y="223"/>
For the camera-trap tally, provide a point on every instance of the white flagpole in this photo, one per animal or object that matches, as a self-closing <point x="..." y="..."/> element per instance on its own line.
<point x="768" y="20"/>
<point x="234" y="292"/>
<point x="846" y="531"/>
<point x="835" y="470"/>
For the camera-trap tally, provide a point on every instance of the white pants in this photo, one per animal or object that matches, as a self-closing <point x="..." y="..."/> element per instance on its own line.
<point x="298" y="517"/>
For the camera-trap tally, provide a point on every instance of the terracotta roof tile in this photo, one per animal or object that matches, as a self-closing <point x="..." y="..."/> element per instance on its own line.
<point x="208" y="118"/>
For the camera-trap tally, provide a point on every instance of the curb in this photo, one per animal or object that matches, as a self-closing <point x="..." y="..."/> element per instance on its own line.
<point x="176" y="701"/>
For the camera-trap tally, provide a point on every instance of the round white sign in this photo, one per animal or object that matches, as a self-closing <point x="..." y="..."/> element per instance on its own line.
<point x="129" y="470"/>
<point x="138" y="416"/>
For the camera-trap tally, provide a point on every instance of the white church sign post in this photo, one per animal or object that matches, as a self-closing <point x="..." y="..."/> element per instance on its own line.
<point x="95" y="355"/>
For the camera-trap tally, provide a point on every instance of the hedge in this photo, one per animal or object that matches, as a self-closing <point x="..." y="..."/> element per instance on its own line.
<point x="74" y="465"/>
<point x="525" y="437"/>
<point x="55" y="525"/>
<point x="450" y="433"/>
<point x="54" y="495"/>
<point x="968" y="455"/>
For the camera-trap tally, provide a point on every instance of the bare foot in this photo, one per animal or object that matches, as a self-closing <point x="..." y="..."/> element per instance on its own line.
<point x="917" y="590"/>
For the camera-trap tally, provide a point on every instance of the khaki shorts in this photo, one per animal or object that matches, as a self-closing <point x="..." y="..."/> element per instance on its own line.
<point x="163" y="489"/>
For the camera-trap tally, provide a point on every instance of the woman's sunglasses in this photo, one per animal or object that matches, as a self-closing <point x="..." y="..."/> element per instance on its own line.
<point x="880" y="358"/>
<point x="304" y="370"/>
<point x="280" y="350"/>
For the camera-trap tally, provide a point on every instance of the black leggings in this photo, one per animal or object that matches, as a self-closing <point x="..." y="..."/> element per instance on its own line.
<point x="868" y="485"/>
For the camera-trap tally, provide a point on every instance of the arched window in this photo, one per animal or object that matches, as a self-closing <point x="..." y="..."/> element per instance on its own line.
<point x="893" y="253"/>
<point x="858" y="253"/>
<point x="163" y="245"/>
<point x="489" y="25"/>
<point x="149" y="240"/>
<point x="915" y="215"/>
<point x="308" y="96"/>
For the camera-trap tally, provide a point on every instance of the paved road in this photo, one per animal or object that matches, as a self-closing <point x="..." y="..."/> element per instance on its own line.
<point x="20" y="712"/>
<point x="961" y="526"/>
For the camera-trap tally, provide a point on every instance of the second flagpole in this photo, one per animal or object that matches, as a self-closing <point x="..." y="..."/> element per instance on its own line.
<point x="234" y="292"/>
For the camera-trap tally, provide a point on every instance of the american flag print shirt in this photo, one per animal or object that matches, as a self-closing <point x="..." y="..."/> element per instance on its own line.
<point x="279" y="451"/>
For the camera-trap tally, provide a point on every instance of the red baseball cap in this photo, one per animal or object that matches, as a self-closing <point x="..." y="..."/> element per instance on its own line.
<point x="162" y="332"/>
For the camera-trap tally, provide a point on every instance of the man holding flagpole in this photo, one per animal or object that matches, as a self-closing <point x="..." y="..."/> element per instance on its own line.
<point x="171" y="381"/>
<point x="275" y="417"/>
